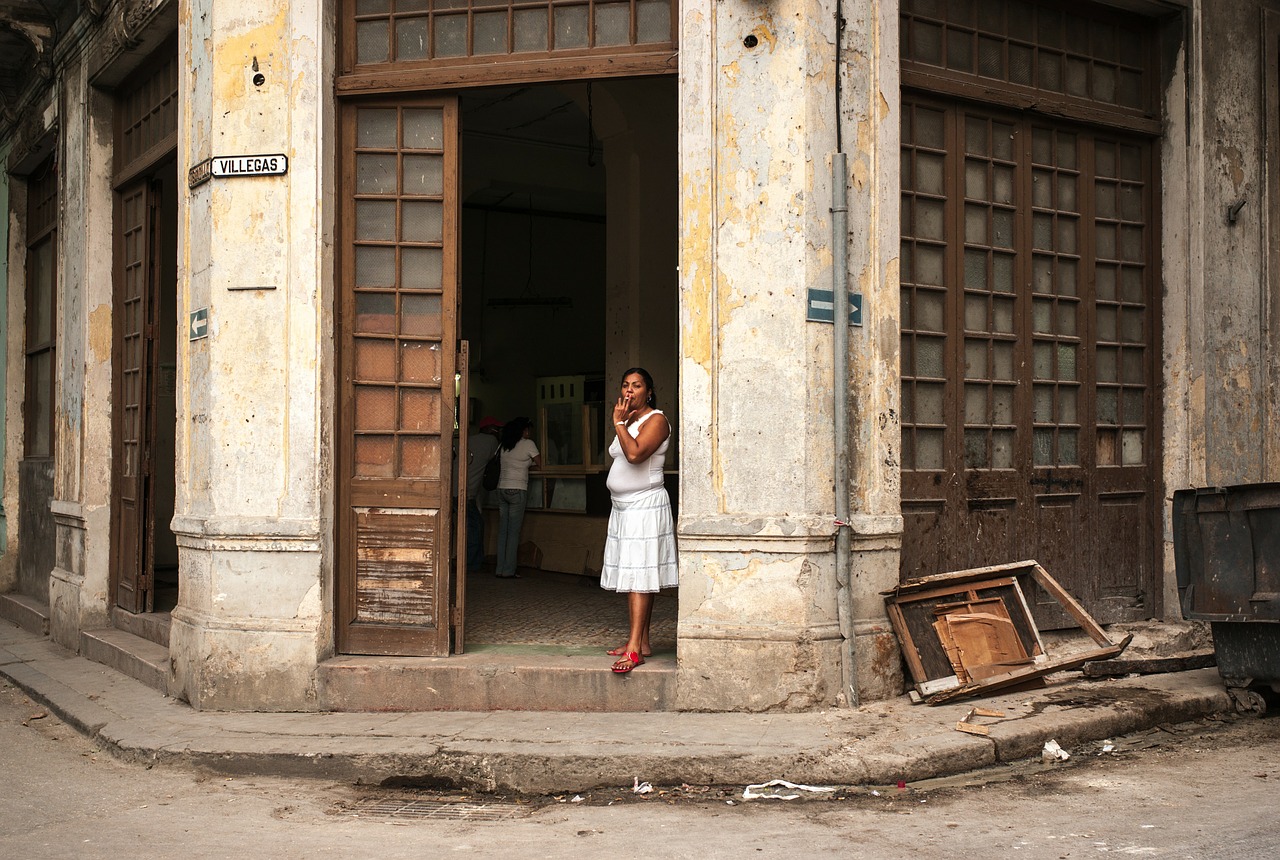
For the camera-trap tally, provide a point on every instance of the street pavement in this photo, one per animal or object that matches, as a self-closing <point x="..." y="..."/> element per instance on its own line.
<point x="543" y="752"/>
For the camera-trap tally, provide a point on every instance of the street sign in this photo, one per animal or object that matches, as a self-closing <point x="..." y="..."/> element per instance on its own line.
<point x="198" y="324"/>
<point x="821" y="307"/>
<point x="249" y="165"/>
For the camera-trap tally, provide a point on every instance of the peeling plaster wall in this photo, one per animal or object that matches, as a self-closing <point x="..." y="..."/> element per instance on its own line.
<point x="14" y="366"/>
<point x="7" y="571"/>
<point x="78" y="587"/>
<point x="254" y="481"/>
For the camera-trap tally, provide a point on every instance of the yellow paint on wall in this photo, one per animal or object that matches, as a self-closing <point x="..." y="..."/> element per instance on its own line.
<point x="234" y="53"/>
<point x="100" y="334"/>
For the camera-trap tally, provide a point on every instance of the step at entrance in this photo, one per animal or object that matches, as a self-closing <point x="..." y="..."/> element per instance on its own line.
<point x="128" y="654"/>
<point x="497" y="678"/>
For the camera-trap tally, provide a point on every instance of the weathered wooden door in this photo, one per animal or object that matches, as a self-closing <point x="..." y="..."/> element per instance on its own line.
<point x="137" y="279"/>
<point x="1028" y="352"/>
<point x="397" y="338"/>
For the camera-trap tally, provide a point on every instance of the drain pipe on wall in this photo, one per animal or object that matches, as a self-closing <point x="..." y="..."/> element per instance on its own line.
<point x="840" y="387"/>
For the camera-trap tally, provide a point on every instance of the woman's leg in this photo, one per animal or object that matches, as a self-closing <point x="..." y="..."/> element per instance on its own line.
<point x="504" y="536"/>
<point x="639" y="606"/>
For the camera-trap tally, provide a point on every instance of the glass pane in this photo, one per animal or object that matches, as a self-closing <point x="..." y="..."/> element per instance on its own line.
<point x="568" y="494"/>
<point x="929" y="176"/>
<point x="375" y="174"/>
<point x="928" y="356"/>
<point x="376" y="128"/>
<point x="571" y="27"/>
<point x="1067" y="192"/>
<point x="1105" y="199"/>
<point x="1042" y="189"/>
<point x="1002" y="316"/>
<point x="419" y="456"/>
<point x="1132" y="400"/>
<point x="975" y="404"/>
<point x="421" y="268"/>
<point x="420" y="315"/>
<point x="1068" y="453"/>
<point x="1131" y="203"/>
<point x="959" y="50"/>
<point x="423" y="128"/>
<point x="928" y="403"/>
<point x="1002" y="228"/>
<point x="376" y="220"/>
<point x="1042" y="447"/>
<point x="1131" y="285"/>
<point x="1042" y="274"/>
<point x="1107" y="323"/>
<point x="411" y="39"/>
<point x="975" y="313"/>
<point x="929" y="449"/>
<point x="1003" y="184"/>
<point x="490" y="36"/>
<point x="1067" y="318"/>
<point x="424" y="174"/>
<point x="375" y="360"/>
<point x="1002" y="405"/>
<point x="653" y="21"/>
<point x="928" y="265"/>
<point x="1107" y="364"/>
<point x="39" y="403"/>
<point x="1067" y="277"/>
<point x="1132" y="361"/>
<point x="929" y="219"/>
<point x="375" y="267"/>
<point x="372" y="7"/>
<point x="1020" y="64"/>
<point x="613" y="24"/>
<point x="975" y="225"/>
<point x="423" y="221"/>
<point x="1042" y="315"/>
<point x="1067" y="411"/>
<point x="1002" y="273"/>
<point x="1002" y="361"/>
<point x="531" y="29"/>
<point x="374" y="456"/>
<point x="975" y="449"/>
<point x="975" y="270"/>
<point x="1067" y="361"/>
<point x="1049" y="71"/>
<point x="1106" y="241"/>
<point x="1042" y="404"/>
<point x="1108" y="406"/>
<point x="1066" y="148"/>
<point x="40" y="259"/>
<point x="1131" y="448"/>
<point x="1131" y="325"/>
<point x="990" y="57"/>
<point x="1042" y="360"/>
<point x="926" y="40"/>
<point x="420" y="362"/>
<point x="1066" y="235"/>
<point x="376" y="313"/>
<point x="930" y="128"/>
<point x="975" y="136"/>
<point x="451" y="36"/>
<point x="371" y="42"/>
<point x="1131" y="244"/>
<point x="1077" y="77"/>
<point x="928" y="310"/>
<point x="420" y="409"/>
<point x="1002" y="449"/>
<point x="1042" y="232"/>
<point x="1104" y="83"/>
<point x="975" y="180"/>
<point x="375" y="407"/>
<point x="1106" y="280"/>
<point x="975" y="359"/>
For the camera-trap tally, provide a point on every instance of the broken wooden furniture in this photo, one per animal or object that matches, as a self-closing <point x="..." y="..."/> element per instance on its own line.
<point x="971" y="631"/>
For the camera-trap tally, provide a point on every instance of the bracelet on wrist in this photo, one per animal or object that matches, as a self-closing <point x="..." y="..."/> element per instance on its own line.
<point x="620" y="424"/>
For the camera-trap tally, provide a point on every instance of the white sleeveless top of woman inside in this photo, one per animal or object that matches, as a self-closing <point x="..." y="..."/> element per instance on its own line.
<point x="640" y="549"/>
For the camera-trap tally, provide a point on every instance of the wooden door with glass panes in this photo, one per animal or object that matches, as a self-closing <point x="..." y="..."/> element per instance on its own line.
<point x="1028" y="352"/>
<point x="397" y="336"/>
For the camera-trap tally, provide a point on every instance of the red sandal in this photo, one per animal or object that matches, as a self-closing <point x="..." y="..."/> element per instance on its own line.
<point x="622" y="652"/>
<point x="629" y="661"/>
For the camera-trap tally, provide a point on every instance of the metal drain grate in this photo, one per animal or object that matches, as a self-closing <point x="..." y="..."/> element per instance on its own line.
<point x="402" y="808"/>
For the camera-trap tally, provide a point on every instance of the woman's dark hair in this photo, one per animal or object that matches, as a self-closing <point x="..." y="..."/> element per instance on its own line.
<point x="648" y="383"/>
<point x="513" y="430"/>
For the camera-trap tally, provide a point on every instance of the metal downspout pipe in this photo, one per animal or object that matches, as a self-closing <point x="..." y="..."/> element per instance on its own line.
<point x="840" y="392"/>
<point x="840" y="382"/>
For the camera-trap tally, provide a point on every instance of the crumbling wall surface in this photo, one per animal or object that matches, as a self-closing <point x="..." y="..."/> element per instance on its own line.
<point x="1234" y="250"/>
<point x="252" y="485"/>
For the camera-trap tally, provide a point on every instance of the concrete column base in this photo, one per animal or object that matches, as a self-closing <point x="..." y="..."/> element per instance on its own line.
<point x="798" y="673"/>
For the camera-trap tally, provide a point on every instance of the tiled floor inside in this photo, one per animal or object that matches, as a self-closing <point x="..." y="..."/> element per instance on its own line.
<point x="542" y="608"/>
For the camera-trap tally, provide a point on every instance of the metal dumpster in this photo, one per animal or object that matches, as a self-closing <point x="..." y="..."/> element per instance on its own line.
<point x="1227" y="554"/>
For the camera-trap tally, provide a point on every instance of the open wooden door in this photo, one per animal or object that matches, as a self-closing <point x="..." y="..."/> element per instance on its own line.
<point x="397" y="338"/>
<point x="134" y="415"/>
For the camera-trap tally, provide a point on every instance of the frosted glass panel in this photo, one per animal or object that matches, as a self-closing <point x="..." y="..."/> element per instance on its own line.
<point x="423" y="128"/>
<point x="376" y="128"/>
<point x="421" y="269"/>
<point x="531" y="29"/>
<point x="490" y="33"/>
<point x="613" y="24"/>
<point x="411" y="39"/>
<point x="423" y="221"/>
<point x="376" y="220"/>
<point x="653" y="21"/>
<point x="371" y="42"/>
<point x="375" y="267"/>
<point x="375" y="174"/>
<point x="571" y="27"/>
<point x="451" y="36"/>
<point x="424" y="174"/>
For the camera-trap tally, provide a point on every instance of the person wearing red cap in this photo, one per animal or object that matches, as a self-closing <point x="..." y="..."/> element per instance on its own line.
<point x="482" y="445"/>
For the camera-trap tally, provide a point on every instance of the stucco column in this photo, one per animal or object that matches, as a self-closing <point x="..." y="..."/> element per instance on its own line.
<point x="758" y="618"/>
<point x="254" y="616"/>
<point x="870" y="110"/>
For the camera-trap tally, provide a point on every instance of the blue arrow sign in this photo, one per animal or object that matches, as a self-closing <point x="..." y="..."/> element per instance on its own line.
<point x="198" y="324"/>
<point x="821" y="307"/>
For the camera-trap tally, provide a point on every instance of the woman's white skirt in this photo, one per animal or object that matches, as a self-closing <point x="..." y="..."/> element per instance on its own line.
<point x="640" y="551"/>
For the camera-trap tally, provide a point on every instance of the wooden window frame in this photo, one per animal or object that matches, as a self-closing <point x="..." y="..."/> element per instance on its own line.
<point x="478" y="70"/>
<point x="42" y="222"/>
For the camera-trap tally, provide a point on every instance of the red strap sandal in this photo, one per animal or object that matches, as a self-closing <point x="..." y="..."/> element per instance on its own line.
<point x="629" y="661"/>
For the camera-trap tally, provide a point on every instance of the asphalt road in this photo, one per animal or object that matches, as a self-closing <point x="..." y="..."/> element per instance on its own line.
<point x="1201" y="790"/>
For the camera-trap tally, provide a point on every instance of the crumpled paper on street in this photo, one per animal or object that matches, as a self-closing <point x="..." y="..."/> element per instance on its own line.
<point x="762" y="791"/>
<point x="1053" y="752"/>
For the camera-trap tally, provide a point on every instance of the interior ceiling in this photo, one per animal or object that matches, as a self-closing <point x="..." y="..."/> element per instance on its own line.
<point x="543" y="115"/>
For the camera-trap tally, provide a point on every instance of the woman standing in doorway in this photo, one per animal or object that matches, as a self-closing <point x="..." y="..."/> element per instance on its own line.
<point x="640" y="551"/>
<point x="516" y="455"/>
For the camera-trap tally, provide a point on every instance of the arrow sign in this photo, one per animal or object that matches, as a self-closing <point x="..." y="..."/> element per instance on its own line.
<point x="198" y="324"/>
<point x="821" y="307"/>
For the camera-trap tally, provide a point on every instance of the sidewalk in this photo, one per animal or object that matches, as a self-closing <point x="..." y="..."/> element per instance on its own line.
<point x="550" y="752"/>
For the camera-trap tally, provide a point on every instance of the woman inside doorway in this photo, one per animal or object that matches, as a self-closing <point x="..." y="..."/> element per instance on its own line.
<point x="640" y="550"/>
<point x="517" y="454"/>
